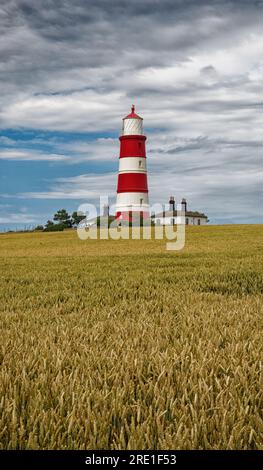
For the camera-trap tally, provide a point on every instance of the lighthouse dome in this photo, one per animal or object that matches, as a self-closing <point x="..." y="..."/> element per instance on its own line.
<point x="132" y="124"/>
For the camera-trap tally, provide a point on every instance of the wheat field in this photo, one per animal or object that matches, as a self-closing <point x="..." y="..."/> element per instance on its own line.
<point x="123" y="345"/>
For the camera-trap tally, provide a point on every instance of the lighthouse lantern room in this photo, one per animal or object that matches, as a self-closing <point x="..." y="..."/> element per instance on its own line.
<point x="132" y="187"/>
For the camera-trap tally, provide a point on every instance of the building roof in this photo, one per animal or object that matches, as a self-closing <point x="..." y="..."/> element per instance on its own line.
<point x="174" y="214"/>
<point x="132" y="114"/>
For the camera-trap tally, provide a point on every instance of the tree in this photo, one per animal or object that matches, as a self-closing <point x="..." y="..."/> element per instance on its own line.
<point x="51" y="227"/>
<point x="63" y="217"/>
<point x="76" y="218"/>
<point x="49" y="223"/>
<point x="39" y="228"/>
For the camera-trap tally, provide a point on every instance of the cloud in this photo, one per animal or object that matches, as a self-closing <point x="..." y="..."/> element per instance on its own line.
<point x="99" y="150"/>
<point x="14" y="218"/>
<point x="10" y="154"/>
<point x="88" y="187"/>
<point x="87" y="62"/>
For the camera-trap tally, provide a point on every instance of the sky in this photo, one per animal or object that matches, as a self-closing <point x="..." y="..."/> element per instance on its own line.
<point x="69" y="72"/>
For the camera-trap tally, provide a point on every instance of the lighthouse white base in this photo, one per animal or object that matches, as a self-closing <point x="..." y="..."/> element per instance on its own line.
<point x="128" y="203"/>
<point x="132" y="202"/>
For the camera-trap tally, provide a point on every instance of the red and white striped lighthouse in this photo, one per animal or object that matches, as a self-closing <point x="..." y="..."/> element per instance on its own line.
<point x="132" y="188"/>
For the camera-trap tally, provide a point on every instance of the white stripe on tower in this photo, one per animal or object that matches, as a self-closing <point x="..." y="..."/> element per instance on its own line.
<point x="132" y="165"/>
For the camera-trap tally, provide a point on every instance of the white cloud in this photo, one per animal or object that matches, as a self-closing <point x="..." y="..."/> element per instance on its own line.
<point x="88" y="187"/>
<point x="27" y="155"/>
<point x="13" y="218"/>
<point x="96" y="150"/>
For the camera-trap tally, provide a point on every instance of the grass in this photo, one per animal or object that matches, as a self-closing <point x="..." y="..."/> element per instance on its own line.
<point x="123" y="345"/>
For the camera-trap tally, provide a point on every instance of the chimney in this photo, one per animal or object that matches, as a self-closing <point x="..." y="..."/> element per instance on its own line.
<point x="184" y="205"/>
<point x="171" y="204"/>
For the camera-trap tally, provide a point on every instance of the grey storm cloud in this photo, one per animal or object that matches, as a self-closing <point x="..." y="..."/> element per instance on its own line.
<point x="193" y="68"/>
<point x="40" y="39"/>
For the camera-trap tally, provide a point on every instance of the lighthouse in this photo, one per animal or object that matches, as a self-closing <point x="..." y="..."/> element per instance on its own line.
<point x="132" y="188"/>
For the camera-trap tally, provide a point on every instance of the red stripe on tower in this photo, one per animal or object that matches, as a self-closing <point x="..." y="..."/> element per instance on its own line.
<point x="132" y="182"/>
<point x="132" y="188"/>
<point x="132" y="146"/>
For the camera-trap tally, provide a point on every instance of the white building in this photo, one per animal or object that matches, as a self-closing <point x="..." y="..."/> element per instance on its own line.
<point x="171" y="217"/>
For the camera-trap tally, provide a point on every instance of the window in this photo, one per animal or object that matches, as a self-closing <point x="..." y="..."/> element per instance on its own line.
<point x="140" y="163"/>
<point x="187" y="221"/>
<point x="198" y="222"/>
<point x="141" y="201"/>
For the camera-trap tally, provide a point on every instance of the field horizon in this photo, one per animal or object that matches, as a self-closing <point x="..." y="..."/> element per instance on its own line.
<point x="124" y="345"/>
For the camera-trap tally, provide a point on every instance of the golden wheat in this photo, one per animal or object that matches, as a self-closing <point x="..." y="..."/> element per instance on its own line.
<point x="123" y="345"/>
